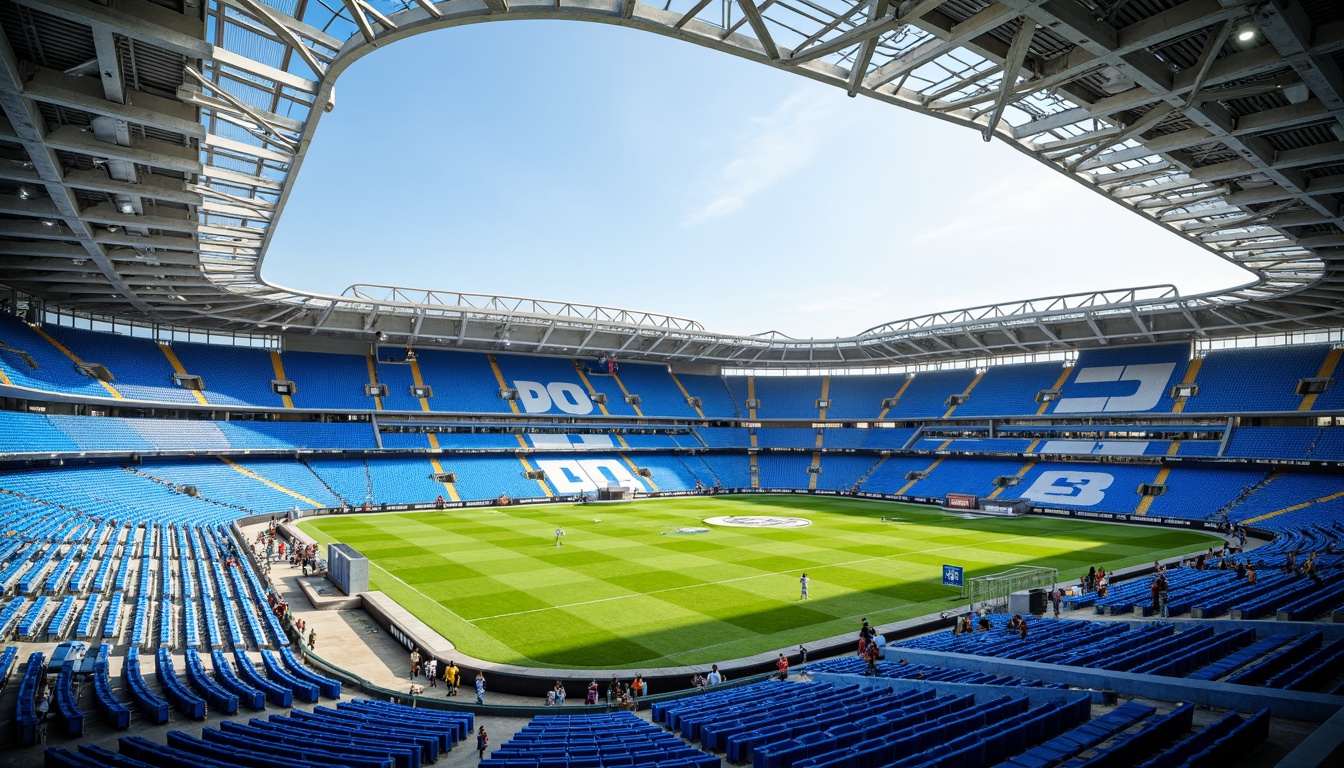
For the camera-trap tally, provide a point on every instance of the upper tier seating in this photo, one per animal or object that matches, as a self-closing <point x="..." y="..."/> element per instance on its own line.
<point x="925" y="397"/>
<point x="787" y="397"/>
<point x="141" y="369"/>
<point x="1010" y="389"/>
<point x="329" y="382"/>
<point x="232" y="375"/>
<point x="860" y="397"/>
<point x="55" y="372"/>
<point x="1123" y="380"/>
<point x="657" y="390"/>
<point x="1224" y="385"/>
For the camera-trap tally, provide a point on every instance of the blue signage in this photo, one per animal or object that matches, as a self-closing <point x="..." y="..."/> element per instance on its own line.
<point x="952" y="576"/>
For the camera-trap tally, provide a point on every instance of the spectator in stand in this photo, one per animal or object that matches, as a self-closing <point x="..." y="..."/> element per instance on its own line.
<point x="782" y="664"/>
<point x="715" y="677"/>
<point x="482" y="741"/>
<point x="450" y="677"/>
<point x="559" y="692"/>
<point x="415" y="663"/>
<point x="432" y="672"/>
<point x="637" y="686"/>
<point x="480" y="687"/>
<point x="874" y="653"/>
<point x="984" y="624"/>
<point x="312" y="639"/>
<point x="1163" y="588"/>
<point x="1250" y="574"/>
<point x="1156" y="588"/>
<point x="1090" y="583"/>
<point x="591" y="698"/>
<point x="1056" y="598"/>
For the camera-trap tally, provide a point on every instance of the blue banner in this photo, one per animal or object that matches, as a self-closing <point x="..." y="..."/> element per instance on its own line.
<point x="952" y="576"/>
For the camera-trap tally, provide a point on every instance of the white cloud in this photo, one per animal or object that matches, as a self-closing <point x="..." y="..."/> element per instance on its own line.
<point x="777" y="145"/>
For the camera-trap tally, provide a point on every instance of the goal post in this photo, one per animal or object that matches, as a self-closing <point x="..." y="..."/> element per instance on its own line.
<point x="991" y="593"/>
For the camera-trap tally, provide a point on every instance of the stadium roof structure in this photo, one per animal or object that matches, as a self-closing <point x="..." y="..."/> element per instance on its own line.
<point x="147" y="149"/>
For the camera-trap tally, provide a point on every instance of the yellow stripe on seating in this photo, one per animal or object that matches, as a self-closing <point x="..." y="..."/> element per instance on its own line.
<point x="438" y="470"/>
<point x="1327" y="370"/>
<point x="967" y="393"/>
<point x="825" y="394"/>
<point x="1174" y="448"/>
<point x="905" y="384"/>
<point x="503" y="385"/>
<point x="812" y="476"/>
<point x="756" y="475"/>
<point x="1032" y="448"/>
<point x="276" y="486"/>
<point x="1191" y="372"/>
<point x="1147" y="501"/>
<point x="4" y="379"/>
<point x="373" y="379"/>
<point x="527" y="465"/>
<point x="1020" y="473"/>
<point x="433" y="441"/>
<point x="685" y="394"/>
<point x="177" y="366"/>
<point x="927" y="472"/>
<point x="1063" y="377"/>
<point x="111" y="390"/>
<point x="1294" y="508"/>
<point x="621" y="439"/>
<point x="278" y="366"/>
<point x="635" y="470"/>
<point x="626" y="392"/>
<point x="592" y="393"/>
<point x="419" y="382"/>
<point x="751" y="395"/>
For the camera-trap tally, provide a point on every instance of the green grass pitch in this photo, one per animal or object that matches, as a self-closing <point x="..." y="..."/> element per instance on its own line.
<point x="625" y="593"/>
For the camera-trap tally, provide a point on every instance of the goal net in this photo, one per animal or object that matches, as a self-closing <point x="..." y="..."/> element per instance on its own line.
<point x="991" y="592"/>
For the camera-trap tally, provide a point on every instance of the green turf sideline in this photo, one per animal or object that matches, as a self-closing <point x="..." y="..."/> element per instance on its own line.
<point x="624" y="592"/>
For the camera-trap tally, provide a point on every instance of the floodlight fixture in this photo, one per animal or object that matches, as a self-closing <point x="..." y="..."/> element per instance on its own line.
<point x="1246" y="32"/>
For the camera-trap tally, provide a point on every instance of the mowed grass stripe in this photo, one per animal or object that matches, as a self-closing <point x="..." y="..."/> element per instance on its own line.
<point x="620" y="593"/>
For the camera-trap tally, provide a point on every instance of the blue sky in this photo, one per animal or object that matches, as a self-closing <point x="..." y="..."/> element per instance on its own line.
<point x="588" y="163"/>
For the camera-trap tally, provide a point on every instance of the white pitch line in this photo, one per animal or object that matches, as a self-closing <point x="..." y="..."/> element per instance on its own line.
<point x="729" y="581"/>
<point x="422" y="594"/>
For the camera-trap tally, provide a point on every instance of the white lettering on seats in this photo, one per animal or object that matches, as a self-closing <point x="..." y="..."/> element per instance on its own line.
<point x="1100" y="447"/>
<point x="597" y="442"/>
<point x="539" y="398"/>
<point x="1078" y="489"/>
<point x="1152" y="381"/>
<point x="585" y="475"/>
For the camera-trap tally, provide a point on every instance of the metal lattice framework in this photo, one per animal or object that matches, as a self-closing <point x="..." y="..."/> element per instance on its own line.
<point x="991" y="592"/>
<point x="147" y="148"/>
